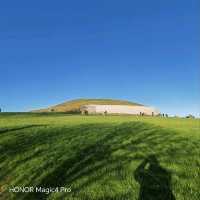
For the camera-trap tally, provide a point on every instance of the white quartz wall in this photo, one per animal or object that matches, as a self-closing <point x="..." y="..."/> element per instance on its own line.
<point x="120" y="109"/>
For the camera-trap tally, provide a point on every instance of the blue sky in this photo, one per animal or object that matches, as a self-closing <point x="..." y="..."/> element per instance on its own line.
<point x="143" y="51"/>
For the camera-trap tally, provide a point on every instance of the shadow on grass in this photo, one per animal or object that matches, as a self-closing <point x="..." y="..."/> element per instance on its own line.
<point x="5" y="130"/>
<point x="93" y="157"/>
<point x="15" y="146"/>
<point x="154" y="180"/>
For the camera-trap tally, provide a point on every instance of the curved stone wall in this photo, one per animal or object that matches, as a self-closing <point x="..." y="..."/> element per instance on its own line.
<point x="119" y="109"/>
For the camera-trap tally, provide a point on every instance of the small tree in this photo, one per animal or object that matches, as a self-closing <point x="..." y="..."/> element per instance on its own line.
<point x="190" y="116"/>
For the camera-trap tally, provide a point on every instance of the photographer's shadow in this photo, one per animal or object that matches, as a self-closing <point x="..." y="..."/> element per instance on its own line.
<point x="154" y="180"/>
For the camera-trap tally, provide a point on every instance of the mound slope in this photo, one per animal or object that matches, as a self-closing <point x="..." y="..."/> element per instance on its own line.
<point x="73" y="106"/>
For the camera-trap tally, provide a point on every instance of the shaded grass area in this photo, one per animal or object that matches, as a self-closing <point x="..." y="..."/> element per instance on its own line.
<point x="97" y="160"/>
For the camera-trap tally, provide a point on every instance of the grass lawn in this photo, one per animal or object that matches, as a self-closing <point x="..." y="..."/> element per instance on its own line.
<point x="98" y="157"/>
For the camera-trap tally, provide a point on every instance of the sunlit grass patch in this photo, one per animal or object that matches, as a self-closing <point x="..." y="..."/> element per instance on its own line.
<point x="96" y="155"/>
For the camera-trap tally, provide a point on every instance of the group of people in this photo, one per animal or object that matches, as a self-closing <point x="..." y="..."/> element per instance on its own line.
<point x="153" y="114"/>
<point x="164" y="115"/>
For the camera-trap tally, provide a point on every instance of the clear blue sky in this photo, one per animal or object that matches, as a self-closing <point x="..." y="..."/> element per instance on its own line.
<point x="144" y="51"/>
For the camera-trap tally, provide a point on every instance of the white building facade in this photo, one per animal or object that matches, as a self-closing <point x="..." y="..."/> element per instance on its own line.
<point x="118" y="109"/>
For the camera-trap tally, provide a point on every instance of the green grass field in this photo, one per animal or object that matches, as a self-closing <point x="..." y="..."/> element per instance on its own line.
<point x="96" y="156"/>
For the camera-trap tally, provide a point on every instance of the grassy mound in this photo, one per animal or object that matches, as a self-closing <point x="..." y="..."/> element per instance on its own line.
<point x="98" y="157"/>
<point x="74" y="105"/>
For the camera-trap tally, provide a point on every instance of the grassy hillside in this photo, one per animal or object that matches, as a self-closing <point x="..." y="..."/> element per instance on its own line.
<point x="74" y="105"/>
<point x="97" y="156"/>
